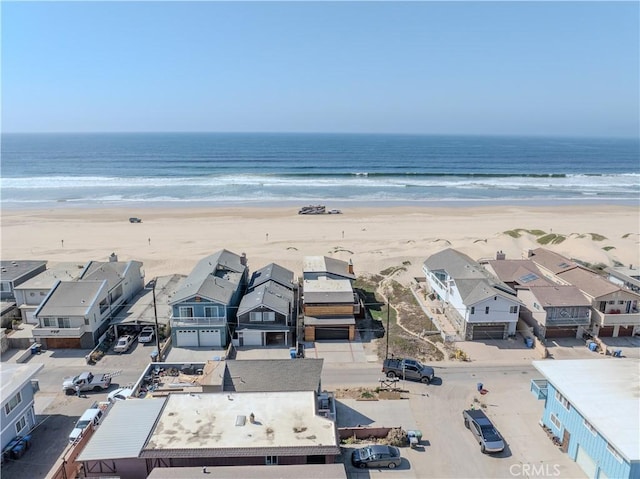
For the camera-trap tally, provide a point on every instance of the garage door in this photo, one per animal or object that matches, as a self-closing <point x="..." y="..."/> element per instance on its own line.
<point x="561" y="332"/>
<point x="628" y="331"/>
<point x="186" y="338"/>
<point x="587" y="464"/>
<point x="30" y="319"/>
<point x="209" y="337"/>
<point x="251" y="338"/>
<point x="489" y="332"/>
<point x="332" y="333"/>
<point x="605" y="332"/>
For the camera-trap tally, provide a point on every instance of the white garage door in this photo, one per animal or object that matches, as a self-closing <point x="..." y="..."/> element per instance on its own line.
<point x="186" y="338"/>
<point x="30" y="319"/>
<point x="252" y="338"/>
<point x="587" y="464"/>
<point x="209" y="337"/>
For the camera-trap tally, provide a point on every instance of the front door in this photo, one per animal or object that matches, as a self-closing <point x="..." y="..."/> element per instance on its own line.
<point x="565" y="441"/>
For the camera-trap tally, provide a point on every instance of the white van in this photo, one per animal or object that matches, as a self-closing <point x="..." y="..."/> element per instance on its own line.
<point x="91" y="417"/>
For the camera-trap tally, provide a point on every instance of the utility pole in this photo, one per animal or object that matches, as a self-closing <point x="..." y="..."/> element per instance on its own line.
<point x="155" y="315"/>
<point x="388" y="313"/>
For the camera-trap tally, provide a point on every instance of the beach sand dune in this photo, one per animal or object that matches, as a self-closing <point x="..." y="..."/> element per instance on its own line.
<point x="172" y="240"/>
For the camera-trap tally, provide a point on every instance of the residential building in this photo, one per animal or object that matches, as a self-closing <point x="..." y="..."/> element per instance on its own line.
<point x="314" y="471"/>
<point x="204" y="308"/>
<point x="17" y="397"/>
<point x="14" y="273"/>
<point x="210" y="430"/>
<point x="481" y="306"/>
<point x="267" y="314"/>
<point x="76" y="314"/>
<point x="614" y="309"/>
<point x="592" y="407"/>
<point x="626" y="277"/>
<point x="551" y="309"/>
<point x="30" y="294"/>
<point x="317" y="267"/>
<point x="329" y="307"/>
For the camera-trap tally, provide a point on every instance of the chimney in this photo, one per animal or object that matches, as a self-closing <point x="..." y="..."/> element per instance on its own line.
<point x="530" y="253"/>
<point x="500" y="255"/>
<point x="243" y="259"/>
<point x="350" y="268"/>
<point x="113" y="258"/>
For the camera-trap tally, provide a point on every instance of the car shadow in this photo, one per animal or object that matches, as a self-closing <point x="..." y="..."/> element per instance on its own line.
<point x="436" y="381"/>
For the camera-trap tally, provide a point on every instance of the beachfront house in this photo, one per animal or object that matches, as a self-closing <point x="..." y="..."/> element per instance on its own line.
<point x="30" y="294"/>
<point x="329" y="302"/>
<point x="591" y="407"/>
<point x="552" y="310"/>
<point x="614" y="309"/>
<point x="216" y="429"/>
<point x="480" y="305"/>
<point x="625" y="277"/>
<point x="14" y="273"/>
<point x="76" y="314"/>
<point x="204" y="308"/>
<point x="17" y="391"/>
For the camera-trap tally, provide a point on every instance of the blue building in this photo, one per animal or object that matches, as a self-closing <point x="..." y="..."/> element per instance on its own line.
<point x="593" y="407"/>
<point x="18" y="416"/>
<point x="204" y="309"/>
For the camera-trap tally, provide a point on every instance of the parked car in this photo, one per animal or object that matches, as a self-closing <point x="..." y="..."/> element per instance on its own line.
<point x="376" y="456"/>
<point x="135" y="220"/>
<point x="124" y="343"/>
<point x="86" y="381"/>
<point x="146" y="335"/>
<point x="120" y="394"/>
<point x="407" y="369"/>
<point x="483" y="430"/>
<point x="91" y="417"/>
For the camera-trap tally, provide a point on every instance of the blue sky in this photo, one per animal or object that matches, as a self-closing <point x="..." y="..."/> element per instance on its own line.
<point x="534" y="68"/>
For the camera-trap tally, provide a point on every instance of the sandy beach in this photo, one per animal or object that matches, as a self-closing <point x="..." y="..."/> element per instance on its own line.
<point x="172" y="240"/>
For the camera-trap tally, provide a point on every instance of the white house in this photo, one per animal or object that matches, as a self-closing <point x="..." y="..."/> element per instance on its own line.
<point x="482" y="306"/>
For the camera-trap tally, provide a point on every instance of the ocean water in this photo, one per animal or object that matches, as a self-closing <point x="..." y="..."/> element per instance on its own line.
<point x="336" y="169"/>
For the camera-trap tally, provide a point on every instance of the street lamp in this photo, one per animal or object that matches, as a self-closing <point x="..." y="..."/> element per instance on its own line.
<point x="388" y="313"/>
<point x="155" y="315"/>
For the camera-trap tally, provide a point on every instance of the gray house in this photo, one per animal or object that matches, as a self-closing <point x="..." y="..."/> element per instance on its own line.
<point x="14" y="273"/>
<point x="267" y="314"/>
<point x="17" y="416"/>
<point x="204" y="308"/>
<point x="75" y="314"/>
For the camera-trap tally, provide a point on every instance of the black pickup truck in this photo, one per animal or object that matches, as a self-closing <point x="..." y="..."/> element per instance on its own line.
<point x="407" y="369"/>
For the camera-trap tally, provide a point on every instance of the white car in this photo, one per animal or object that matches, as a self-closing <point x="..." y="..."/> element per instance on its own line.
<point x="124" y="343"/>
<point x="146" y="335"/>
<point x="120" y="394"/>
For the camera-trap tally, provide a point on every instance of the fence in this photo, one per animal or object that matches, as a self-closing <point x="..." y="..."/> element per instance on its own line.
<point x="364" y="432"/>
<point x="67" y="467"/>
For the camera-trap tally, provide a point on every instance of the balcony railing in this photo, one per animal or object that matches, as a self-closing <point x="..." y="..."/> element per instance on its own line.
<point x="57" y="332"/>
<point x="616" y="319"/>
<point x="197" y="321"/>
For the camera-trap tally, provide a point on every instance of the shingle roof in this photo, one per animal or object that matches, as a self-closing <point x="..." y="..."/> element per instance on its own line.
<point x="113" y="272"/>
<point x="124" y="431"/>
<point x="591" y="283"/>
<point x="325" y="264"/>
<point x="272" y="272"/>
<point x="215" y="277"/>
<point x="519" y="271"/>
<point x="48" y="278"/>
<point x="266" y="375"/>
<point x="71" y="298"/>
<point x="12" y="270"/>
<point x="559" y="295"/>
<point x="270" y="295"/>
<point x="554" y="262"/>
<point x="473" y="281"/>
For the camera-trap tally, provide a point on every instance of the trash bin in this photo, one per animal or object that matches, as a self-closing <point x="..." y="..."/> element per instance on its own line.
<point x="593" y="346"/>
<point x="293" y="352"/>
<point x="154" y="355"/>
<point x="529" y="342"/>
<point x="35" y="348"/>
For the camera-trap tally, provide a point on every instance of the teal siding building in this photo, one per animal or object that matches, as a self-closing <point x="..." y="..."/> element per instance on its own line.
<point x="592" y="407"/>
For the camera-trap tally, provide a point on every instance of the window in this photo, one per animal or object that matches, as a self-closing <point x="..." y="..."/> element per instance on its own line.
<point x="556" y="422"/>
<point x="32" y="294"/>
<point x="536" y="305"/>
<point x="620" y="302"/>
<point x="591" y="429"/>
<point x="12" y="403"/>
<point x="64" y="323"/>
<point x="86" y="321"/>
<point x="42" y="293"/>
<point x="49" y="323"/>
<point x="213" y="312"/>
<point x="255" y="316"/>
<point x="513" y="309"/>
<point x="271" y="460"/>
<point x="269" y="316"/>
<point x="612" y="302"/>
<point x="486" y="310"/>
<point x="21" y="424"/>
<point x="562" y="400"/>
<point x="473" y="309"/>
<point x="186" y="312"/>
<point x="614" y="453"/>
